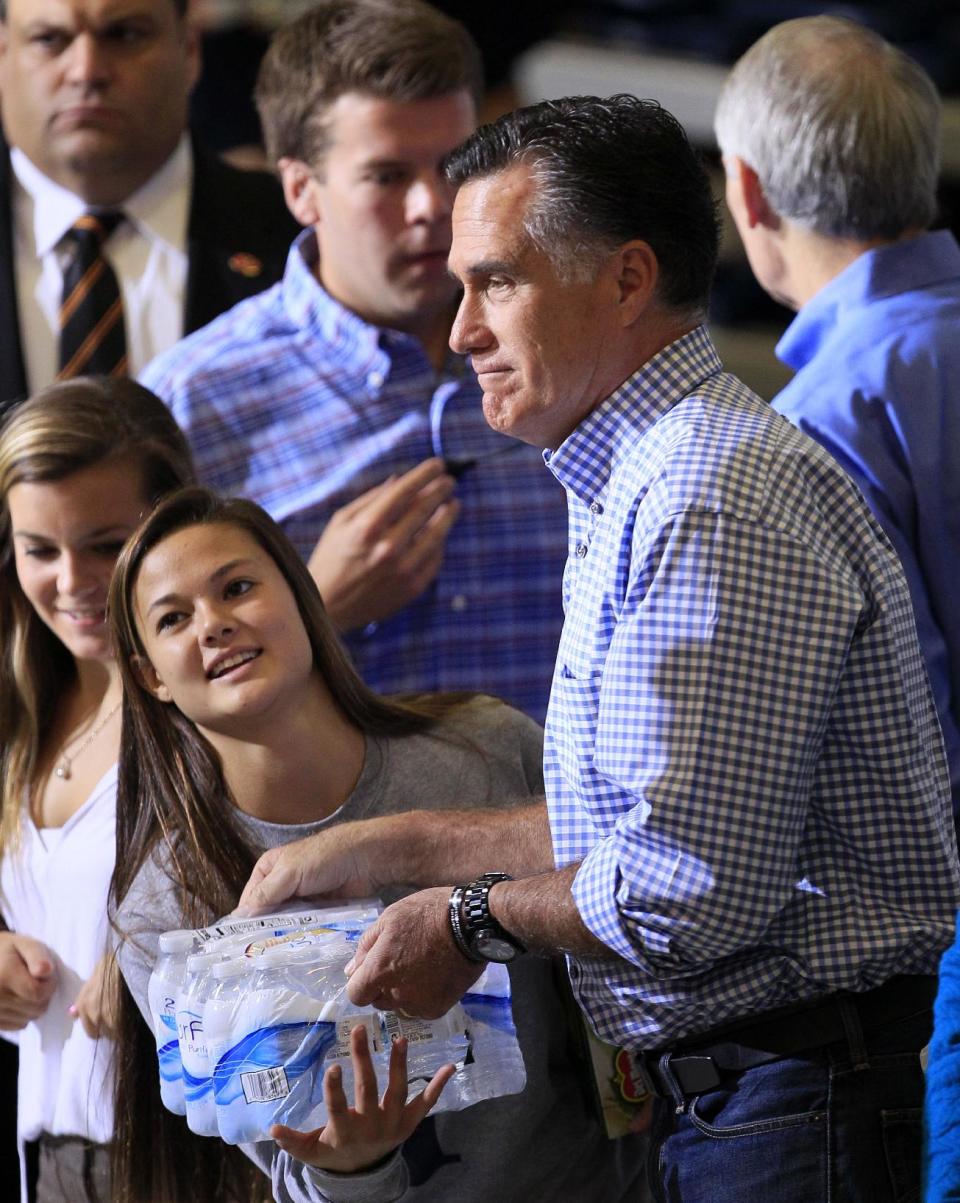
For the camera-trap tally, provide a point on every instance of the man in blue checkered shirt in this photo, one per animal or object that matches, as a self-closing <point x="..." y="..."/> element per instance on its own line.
<point x="747" y="848"/>
<point x="334" y="400"/>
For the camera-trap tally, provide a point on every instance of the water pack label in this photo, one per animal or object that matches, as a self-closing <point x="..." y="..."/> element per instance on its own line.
<point x="293" y="1047"/>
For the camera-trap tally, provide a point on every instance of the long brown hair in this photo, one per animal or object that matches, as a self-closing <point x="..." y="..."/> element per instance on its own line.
<point x="60" y="430"/>
<point x="172" y="794"/>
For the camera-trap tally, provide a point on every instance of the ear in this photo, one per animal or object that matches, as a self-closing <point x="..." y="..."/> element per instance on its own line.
<point x="745" y="182"/>
<point x="147" y="675"/>
<point x="637" y="274"/>
<point x="191" y="37"/>
<point x="299" y="190"/>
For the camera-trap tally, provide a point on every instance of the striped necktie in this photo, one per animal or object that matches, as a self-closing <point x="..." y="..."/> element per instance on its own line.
<point x="92" y="338"/>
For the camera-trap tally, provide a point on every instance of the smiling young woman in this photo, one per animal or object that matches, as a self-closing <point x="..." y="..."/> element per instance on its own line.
<point x="247" y="727"/>
<point x="80" y="465"/>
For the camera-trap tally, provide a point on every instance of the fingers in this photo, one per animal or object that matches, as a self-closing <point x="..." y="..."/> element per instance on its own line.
<point x="302" y="1145"/>
<point x="430" y="1095"/>
<point x="28" y="979"/>
<point x="424" y="555"/>
<point x="366" y="1090"/>
<point x="37" y="958"/>
<point x="89" y="1020"/>
<point x="265" y="885"/>
<point x="280" y="874"/>
<point x="407" y="523"/>
<point x="334" y="1096"/>
<point x="362" y="986"/>
<point x="393" y="501"/>
<point x="395" y="1095"/>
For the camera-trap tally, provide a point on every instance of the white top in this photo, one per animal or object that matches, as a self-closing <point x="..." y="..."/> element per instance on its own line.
<point x="148" y="252"/>
<point x="54" y="888"/>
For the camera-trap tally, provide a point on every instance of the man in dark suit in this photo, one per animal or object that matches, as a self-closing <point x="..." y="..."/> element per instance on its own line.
<point x="94" y="103"/>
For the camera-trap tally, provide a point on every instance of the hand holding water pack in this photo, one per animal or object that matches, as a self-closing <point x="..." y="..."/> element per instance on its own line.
<point x="277" y="1016"/>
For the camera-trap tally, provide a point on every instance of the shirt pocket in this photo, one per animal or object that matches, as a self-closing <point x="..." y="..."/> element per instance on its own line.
<point x="573" y="720"/>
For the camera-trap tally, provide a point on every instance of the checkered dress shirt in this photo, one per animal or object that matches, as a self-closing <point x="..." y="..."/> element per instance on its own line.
<point x="742" y="749"/>
<point x="296" y="402"/>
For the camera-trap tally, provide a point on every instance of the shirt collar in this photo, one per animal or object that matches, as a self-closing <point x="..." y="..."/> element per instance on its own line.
<point x="584" y="462"/>
<point x="159" y="208"/>
<point x="913" y="263"/>
<point x="358" y="343"/>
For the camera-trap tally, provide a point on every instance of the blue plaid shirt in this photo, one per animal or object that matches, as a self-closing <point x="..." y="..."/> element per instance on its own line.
<point x="742" y="748"/>
<point x="296" y="402"/>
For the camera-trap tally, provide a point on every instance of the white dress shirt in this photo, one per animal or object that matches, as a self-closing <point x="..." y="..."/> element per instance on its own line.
<point x="148" y="252"/>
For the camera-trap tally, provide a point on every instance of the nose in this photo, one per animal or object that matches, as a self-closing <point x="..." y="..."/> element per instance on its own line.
<point x="87" y="61"/>
<point x="469" y="333"/>
<point x="74" y="576"/>
<point x="215" y="624"/>
<point x="429" y="199"/>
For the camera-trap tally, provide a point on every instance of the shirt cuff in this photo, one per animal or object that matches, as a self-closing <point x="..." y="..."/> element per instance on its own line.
<point x="383" y="1183"/>
<point x="595" y="890"/>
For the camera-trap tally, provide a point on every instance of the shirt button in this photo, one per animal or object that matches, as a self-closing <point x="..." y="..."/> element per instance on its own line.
<point x="458" y="603"/>
<point x="375" y="379"/>
<point x="581" y="550"/>
<point x="596" y="508"/>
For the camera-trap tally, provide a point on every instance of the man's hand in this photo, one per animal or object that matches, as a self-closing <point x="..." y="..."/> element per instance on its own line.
<point x="407" y="960"/>
<point x="383" y="549"/>
<point x="359" y="1136"/>
<point x="28" y="978"/>
<point x="337" y="863"/>
<point x="94" y="1005"/>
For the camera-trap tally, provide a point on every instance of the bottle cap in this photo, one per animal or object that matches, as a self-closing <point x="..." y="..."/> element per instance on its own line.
<point x="177" y="941"/>
<point x="198" y="961"/>
<point x="231" y="968"/>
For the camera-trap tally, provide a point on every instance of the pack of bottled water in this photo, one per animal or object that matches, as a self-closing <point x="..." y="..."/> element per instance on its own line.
<point x="258" y="1011"/>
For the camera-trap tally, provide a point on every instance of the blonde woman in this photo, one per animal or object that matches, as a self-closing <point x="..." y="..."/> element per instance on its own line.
<point x="81" y="463"/>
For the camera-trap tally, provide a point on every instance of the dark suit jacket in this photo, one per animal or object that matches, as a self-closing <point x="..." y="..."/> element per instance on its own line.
<point x="237" y="220"/>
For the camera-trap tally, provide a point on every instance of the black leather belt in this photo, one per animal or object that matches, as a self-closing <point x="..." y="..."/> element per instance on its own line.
<point x="698" y="1063"/>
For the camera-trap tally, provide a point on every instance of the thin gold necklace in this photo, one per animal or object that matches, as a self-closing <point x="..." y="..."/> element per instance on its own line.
<point x="64" y="767"/>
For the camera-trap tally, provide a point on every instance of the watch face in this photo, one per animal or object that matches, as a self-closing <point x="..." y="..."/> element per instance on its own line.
<point x="492" y="947"/>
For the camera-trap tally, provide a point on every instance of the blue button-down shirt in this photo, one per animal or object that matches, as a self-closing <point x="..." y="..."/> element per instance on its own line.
<point x="877" y="354"/>
<point x="296" y="402"/>
<point x="742" y="748"/>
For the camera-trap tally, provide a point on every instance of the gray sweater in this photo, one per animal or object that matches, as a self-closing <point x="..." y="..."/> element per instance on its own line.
<point x="545" y="1143"/>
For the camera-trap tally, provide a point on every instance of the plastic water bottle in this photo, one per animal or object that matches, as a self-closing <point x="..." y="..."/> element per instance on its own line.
<point x="496" y="1062"/>
<point x="268" y="1035"/>
<point x="431" y="1043"/>
<point x="162" y="989"/>
<point x="197" y="1076"/>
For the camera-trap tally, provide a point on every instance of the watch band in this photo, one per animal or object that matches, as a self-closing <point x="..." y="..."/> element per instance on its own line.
<point x="476" y="922"/>
<point x="456" y="924"/>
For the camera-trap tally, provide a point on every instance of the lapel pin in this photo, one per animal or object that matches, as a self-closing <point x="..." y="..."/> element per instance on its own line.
<point x="245" y="264"/>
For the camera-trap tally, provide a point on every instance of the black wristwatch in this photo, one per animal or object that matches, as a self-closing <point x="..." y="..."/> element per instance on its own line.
<point x="475" y="931"/>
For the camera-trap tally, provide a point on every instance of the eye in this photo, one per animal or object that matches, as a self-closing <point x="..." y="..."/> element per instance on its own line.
<point x="109" y="550"/>
<point x="51" y="41"/>
<point x="237" y="587"/>
<point x="126" y="35"/>
<point x="388" y="177"/>
<point x="40" y="553"/>
<point x="169" y="619"/>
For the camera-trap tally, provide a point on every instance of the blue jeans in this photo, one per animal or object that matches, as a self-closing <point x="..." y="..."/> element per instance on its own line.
<point x="838" y="1124"/>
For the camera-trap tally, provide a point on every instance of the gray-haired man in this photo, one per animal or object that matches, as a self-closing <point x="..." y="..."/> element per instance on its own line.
<point x="833" y="191"/>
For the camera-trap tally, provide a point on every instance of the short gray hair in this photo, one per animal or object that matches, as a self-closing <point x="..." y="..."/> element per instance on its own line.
<point x="842" y="129"/>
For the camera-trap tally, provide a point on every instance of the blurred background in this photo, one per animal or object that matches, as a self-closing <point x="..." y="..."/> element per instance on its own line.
<point x="676" y="51"/>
